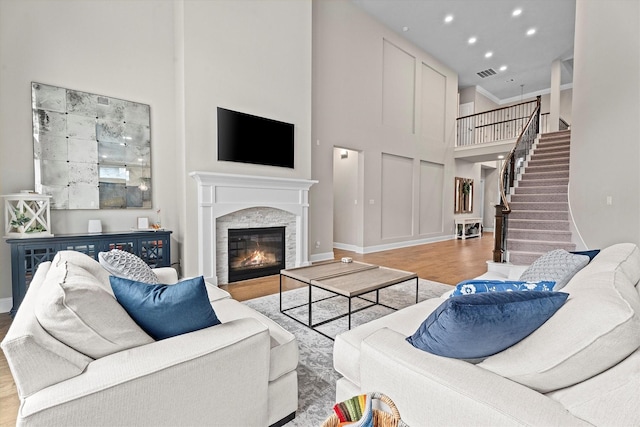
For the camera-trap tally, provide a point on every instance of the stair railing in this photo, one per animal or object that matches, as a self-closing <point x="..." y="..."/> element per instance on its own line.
<point x="510" y="168"/>
<point x="544" y="123"/>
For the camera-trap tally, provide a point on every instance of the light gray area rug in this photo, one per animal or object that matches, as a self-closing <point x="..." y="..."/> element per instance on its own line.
<point x="316" y="376"/>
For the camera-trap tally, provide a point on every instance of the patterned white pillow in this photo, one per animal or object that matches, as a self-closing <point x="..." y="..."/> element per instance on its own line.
<point x="127" y="265"/>
<point x="557" y="265"/>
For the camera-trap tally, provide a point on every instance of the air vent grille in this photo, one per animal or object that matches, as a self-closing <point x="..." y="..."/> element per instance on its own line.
<point x="486" y="73"/>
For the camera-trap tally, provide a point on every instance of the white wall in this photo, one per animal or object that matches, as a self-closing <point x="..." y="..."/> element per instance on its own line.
<point x="491" y="174"/>
<point x="249" y="56"/>
<point x="183" y="58"/>
<point x="377" y="94"/>
<point x="605" y="152"/>
<point x="122" y="50"/>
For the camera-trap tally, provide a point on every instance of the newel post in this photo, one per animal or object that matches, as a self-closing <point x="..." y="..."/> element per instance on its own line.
<point x="498" y="233"/>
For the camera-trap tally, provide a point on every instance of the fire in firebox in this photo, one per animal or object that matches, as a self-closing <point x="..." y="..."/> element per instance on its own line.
<point x="255" y="252"/>
<point x="258" y="258"/>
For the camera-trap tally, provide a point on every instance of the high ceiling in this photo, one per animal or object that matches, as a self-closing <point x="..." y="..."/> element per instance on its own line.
<point x="527" y="58"/>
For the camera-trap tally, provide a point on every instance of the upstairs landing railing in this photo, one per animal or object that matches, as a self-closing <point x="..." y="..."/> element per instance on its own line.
<point x="511" y="167"/>
<point x="494" y="125"/>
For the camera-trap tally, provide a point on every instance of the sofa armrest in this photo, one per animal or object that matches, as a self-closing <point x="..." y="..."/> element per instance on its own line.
<point x="193" y="379"/>
<point x="166" y="275"/>
<point x="435" y="390"/>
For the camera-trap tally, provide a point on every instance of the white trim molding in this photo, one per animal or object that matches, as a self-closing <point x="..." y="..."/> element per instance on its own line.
<point x="5" y="305"/>
<point x="220" y="194"/>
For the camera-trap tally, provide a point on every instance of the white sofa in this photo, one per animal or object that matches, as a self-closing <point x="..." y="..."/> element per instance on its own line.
<point x="581" y="367"/>
<point x="239" y="373"/>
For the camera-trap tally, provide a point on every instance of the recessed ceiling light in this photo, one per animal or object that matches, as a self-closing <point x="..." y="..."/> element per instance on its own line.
<point x="503" y="68"/>
<point x="531" y="31"/>
<point x="472" y="40"/>
<point x="488" y="54"/>
<point x="501" y="157"/>
<point x="516" y="12"/>
<point x="448" y="18"/>
<point x="405" y="29"/>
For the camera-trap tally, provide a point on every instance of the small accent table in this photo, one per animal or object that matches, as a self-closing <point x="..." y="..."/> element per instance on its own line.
<point x="468" y="227"/>
<point x="154" y="247"/>
<point x="350" y="280"/>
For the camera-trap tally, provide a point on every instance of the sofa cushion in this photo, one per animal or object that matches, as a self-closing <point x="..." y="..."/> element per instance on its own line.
<point x="165" y="311"/>
<point x="557" y="265"/>
<point x="594" y="400"/>
<point x="37" y="359"/>
<point x="284" y="346"/>
<point x="127" y="265"/>
<point x="475" y="326"/>
<point x="74" y="307"/>
<point x="88" y="263"/>
<point x="474" y="286"/>
<point x="624" y="257"/>
<point x="346" y="348"/>
<point x="597" y="328"/>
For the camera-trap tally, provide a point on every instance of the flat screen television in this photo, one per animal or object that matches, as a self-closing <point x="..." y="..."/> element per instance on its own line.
<point x="251" y="139"/>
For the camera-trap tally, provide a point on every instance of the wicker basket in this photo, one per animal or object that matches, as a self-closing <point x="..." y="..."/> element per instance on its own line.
<point x="380" y="418"/>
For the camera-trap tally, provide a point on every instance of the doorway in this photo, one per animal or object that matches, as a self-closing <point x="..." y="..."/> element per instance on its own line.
<point x="348" y="212"/>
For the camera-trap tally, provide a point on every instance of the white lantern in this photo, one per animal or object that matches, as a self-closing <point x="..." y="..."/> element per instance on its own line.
<point x="27" y="215"/>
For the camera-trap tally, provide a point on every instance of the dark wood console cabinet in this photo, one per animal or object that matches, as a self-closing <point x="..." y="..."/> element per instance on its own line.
<point x="154" y="247"/>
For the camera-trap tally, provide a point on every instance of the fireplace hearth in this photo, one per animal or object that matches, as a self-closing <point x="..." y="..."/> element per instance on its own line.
<point x="255" y="252"/>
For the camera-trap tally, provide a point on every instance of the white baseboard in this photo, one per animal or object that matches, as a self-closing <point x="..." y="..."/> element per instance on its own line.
<point x="346" y="247"/>
<point x="321" y="257"/>
<point x="388" y="246"/>
<point x="6" y="304"/>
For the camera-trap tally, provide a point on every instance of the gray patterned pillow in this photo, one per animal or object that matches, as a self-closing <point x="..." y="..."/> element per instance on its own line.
<point x="127" y="265"/>
<point x="557" y="265"/>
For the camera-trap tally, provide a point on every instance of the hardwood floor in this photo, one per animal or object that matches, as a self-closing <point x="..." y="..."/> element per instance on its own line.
<point x="448" y="262"/>
<point x="9" y="402"/>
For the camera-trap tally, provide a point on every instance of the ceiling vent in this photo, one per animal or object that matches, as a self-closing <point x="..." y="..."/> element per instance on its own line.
<point x="486" y="73"/>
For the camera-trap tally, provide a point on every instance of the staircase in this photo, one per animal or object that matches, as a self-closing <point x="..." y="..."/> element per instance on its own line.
<point x="539" y="218"/>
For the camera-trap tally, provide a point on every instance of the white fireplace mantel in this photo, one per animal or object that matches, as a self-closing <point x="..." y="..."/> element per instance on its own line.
<point x="220" y="194"/>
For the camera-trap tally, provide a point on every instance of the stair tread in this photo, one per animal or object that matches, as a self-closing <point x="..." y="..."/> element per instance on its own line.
<point x="539" y="220"/>
<point x="540" y="196"/>
<point x="541" y="242"/>
<point x="542" y="230"/>
<point x="539" y="203"/>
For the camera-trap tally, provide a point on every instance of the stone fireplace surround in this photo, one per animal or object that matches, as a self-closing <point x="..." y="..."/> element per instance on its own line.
<point x="225" y="195"/>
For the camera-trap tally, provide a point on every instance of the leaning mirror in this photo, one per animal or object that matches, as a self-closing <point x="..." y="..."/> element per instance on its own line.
<point x="90" y="151"/>
<point x="463" y="198"/>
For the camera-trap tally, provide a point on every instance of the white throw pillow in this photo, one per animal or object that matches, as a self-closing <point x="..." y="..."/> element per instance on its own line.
<point x="74" y="307"/>
<point x="557" y="265"/>
<point x="127" y="265"/>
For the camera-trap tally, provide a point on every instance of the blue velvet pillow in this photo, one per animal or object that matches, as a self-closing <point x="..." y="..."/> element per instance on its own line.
<point x="591" y="253"/>
<point x="476" y="286"/>
<point x="164" y="311"/>
<point x="479" y="325"/>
